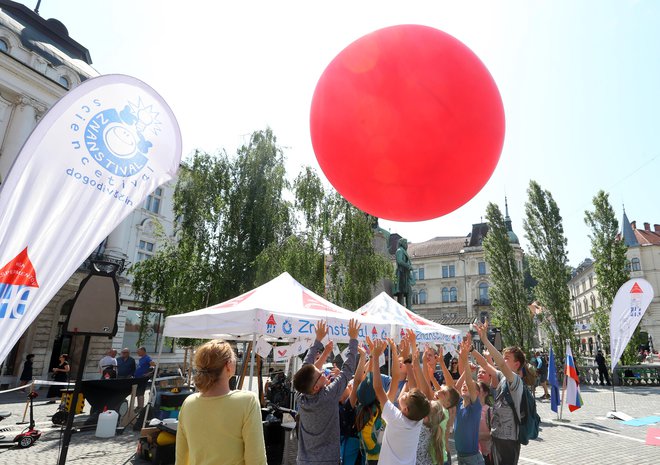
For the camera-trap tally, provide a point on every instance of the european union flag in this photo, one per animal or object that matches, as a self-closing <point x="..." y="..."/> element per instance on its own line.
<point x="552" y="380"/>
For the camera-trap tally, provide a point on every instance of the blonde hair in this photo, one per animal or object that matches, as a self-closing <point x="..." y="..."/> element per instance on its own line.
<point x="433" y="420"/>
<point x="210" y="359"/>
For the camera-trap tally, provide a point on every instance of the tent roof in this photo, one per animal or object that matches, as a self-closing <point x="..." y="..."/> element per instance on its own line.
<point x="386" y="309"/>
<point x="280" y="308"/>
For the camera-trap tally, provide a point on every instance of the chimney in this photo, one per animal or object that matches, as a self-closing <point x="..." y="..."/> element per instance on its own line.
<point x="633" y="224"/>
<point x="656" y="227"/>
<point x="647" y="226"/>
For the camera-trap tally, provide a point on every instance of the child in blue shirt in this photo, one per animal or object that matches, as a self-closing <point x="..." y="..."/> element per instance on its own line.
<point x="468" y="412"/>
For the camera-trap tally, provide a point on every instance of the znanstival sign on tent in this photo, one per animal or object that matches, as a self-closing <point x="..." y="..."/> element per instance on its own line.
<point x="386" y="309"/>
<point x="93" y="158"/>
<point x="281" y="308"/>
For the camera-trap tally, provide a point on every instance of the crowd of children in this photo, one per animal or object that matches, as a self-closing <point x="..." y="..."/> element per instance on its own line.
<point x="363" y="417"/>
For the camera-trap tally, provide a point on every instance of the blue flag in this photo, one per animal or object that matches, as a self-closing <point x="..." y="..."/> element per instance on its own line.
<point x="552" y="380"/>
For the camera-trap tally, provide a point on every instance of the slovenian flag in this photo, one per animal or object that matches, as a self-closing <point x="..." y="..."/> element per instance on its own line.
<point x="573" y="398"/>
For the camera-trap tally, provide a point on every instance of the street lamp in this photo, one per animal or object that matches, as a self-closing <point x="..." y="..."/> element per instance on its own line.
<point x="461" y="257"/>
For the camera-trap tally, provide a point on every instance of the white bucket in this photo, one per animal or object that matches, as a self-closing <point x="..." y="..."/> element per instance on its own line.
<point x="107" y="424"/>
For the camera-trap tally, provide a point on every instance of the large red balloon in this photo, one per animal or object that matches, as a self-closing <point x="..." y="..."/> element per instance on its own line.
<point x="407" y="123"/>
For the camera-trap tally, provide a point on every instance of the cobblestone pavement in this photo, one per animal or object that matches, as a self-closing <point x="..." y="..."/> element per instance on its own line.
<point x="587" y="437"/>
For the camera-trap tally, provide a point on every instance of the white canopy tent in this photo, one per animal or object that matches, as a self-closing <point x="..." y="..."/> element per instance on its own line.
<point x="386" y="310"/>
<point x="281" y="309"/>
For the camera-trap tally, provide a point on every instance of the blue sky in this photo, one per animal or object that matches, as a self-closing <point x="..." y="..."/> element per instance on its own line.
<point x="580" y="83"/>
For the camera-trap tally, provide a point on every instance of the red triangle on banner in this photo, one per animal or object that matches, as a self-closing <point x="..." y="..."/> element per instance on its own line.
<point x="636" y="289"/>
<point x="19" y="271"/>
<point x="271" y="320"/>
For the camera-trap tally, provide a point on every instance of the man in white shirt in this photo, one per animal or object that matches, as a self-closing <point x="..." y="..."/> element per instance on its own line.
<point x="108" y="364"/>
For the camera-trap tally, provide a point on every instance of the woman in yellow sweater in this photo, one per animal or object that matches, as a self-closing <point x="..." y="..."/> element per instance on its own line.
<point x="218" y="426"/>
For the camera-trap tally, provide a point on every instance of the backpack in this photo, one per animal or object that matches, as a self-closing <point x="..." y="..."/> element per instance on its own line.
<point x="529" y="421"/>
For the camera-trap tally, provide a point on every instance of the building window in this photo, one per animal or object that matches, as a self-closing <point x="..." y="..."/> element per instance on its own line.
<point x="4" y="46"/>
<point x="448" y="271"/>
<point x="153" y="200"/>
<point x="578" y="308"/>
<point x="445" y="294"/>
<point x="64" y="82"/>
<point x="151" y="329"/>
<point x="593" y="303"/>
<point x="422" y="296"/>
<point x="483" y="294"/>
<point x="452" y="294"/>
<point x="635" y="264"/>
<point x="415" y="298"/>
<point x="482" y="268"/>
<point x="420" y="274"/>
<point x="145" y="250"/>
<point x="591" y="282"/>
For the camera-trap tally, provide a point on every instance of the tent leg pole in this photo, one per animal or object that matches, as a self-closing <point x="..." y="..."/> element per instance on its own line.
<point x="254" y="341"/>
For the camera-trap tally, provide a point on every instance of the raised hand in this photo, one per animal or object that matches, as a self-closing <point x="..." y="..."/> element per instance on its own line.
<point x="328" y="347"/>
<point x="411" y="337"/>
<point x="379" y="348"/>
<point x="321" y="330"/>
<point x="429" y="357"/>
<point x="404" y="348"/>
<point x="353" y="328"/>
<point x="482" y="330"/>
<point x="394" y="350"/>
<point x="370" y="344"/>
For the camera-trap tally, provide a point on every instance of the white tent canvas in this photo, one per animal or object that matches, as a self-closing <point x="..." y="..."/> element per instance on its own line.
<point x="281" y="309"/>
<point x="388" y="311"/>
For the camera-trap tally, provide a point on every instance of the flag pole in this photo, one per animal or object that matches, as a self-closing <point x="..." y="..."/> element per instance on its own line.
<point x="613" y="395"/>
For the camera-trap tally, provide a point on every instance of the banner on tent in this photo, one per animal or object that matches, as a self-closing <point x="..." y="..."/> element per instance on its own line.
<point x="281" y="353"/>
<point x="91" y="160"/>
<point x="263" y="348"/>
<point x="290" y="327"/>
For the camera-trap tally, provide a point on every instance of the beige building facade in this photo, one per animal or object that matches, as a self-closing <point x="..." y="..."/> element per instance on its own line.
<point x="453" y="277"/>
<point x="643" y="261"/>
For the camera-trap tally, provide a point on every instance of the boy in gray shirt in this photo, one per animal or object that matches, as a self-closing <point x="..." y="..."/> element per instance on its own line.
<point x="318" y="427"/>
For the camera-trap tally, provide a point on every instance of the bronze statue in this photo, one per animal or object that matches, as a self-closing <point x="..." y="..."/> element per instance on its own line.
<point x="404" y="275"/>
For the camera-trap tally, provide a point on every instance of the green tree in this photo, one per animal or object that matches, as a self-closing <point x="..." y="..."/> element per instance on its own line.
<point x="355" y="267"/>
<point x="549" y="266"/>
<point x="227" y="211"/>
<point x="507" y="291"/>
<point x="609" y="253"/>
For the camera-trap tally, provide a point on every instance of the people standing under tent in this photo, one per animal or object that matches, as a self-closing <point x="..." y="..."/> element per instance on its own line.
<point x="125" y="364"/>
<point x="61" y="375"/>
<point x="318" y="424"/>
<point x="232" y="419"/>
